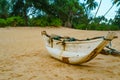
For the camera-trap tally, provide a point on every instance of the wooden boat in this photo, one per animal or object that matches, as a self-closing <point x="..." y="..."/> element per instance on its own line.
<point x="75" y="51"/>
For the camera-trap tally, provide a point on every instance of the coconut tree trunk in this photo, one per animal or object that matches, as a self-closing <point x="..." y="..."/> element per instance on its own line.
<point x="84" y="7"/>
<point x="98" y="8"/>
<point x="108" y="10"/>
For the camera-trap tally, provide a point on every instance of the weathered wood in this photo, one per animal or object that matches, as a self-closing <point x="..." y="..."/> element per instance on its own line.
<point x="76" y="52"/>
<point x="97" y="50"/>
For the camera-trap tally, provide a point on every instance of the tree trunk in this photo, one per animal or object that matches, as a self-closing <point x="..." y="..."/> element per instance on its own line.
<point x="108" y="10"/>
<point x="98" y="8"/>
<point x="26" y="19"/>
<point x="68" y="24"/>
<point x="25" y="15"/>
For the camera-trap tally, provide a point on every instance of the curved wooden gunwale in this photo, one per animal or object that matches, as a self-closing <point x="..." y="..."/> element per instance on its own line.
<point x="76" y="52"/>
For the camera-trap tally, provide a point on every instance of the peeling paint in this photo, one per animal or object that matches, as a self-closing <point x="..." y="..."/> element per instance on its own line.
<point x="65" y="59"/>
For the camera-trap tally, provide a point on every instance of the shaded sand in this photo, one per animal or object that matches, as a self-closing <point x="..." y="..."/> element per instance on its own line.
<point x="23" y="56"/>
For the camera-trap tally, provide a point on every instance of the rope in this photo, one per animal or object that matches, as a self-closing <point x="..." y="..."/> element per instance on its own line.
<point x="107" y="39"/>
<point x="56" y="37"/>
<point x="74" y="39"/>
<point x="63" y="40"/>
<point x="88" y="39"/>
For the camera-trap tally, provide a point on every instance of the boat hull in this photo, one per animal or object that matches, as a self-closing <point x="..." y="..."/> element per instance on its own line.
<point x="73" y="53"/>
<point x="76" y="52"/>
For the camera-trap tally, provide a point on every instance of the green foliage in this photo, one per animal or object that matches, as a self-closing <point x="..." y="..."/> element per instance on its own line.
<point x="117" y="19"/>
<point x="2" y="23"/>
<point x="102" y="28"/>
<point x="80" y="26"/>
<point x="114" y="27"/>
<point x="55" y="22"/>
<point x="20" y="21"/>
<point x="45" y="21"/>
<point x="4" y="8"/>
<point x="65" y="10"/>
<point x="96" y="26"/>
<point x="92" y="26"/>
<point x="15" y="21"/>
<point x="106" y="27"/>
<point x="70" y="13"/>
<point x="11" y="21"/>
<point x="42" y="21"/>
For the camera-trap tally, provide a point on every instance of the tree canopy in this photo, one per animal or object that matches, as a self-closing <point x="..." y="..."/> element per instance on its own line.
<point x="68" y="13"/>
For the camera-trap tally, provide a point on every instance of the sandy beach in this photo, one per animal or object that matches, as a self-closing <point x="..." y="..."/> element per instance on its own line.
<point x="23" y="56"/>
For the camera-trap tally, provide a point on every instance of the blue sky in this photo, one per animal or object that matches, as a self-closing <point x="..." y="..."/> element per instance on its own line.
<point x="105" y="5"/>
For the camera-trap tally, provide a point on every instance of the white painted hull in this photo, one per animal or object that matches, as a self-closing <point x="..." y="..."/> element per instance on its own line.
<point x="75" y="52"/>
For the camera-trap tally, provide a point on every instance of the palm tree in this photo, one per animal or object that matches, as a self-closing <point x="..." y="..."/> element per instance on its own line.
<point x="108" y="10"/>
<point x="98" y="8"/>
<point x="89" y="5"/>
<point x="113" y="3"/>
<point x="117" y="18"/>
<point x="116" y="2"/>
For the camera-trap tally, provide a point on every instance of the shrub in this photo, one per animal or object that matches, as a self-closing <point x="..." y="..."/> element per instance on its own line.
<point x="11" y="21"/>
<point x="92" y="26"/>
<point x="107" y="27"/>
<point x="113" y="27"/>
<point x="55" y="22"/>
<point x="42" y="21"/>
<point x="15" y="21"/>
<point x="80" y="26"/>
<point x="2" y="22"/>
<point x="45" y="21"/>
<point x="20" y="21"/>
<point x="101" y="28"/>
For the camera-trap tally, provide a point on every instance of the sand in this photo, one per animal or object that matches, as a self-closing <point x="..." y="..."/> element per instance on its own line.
<point x="23" y="56"/>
